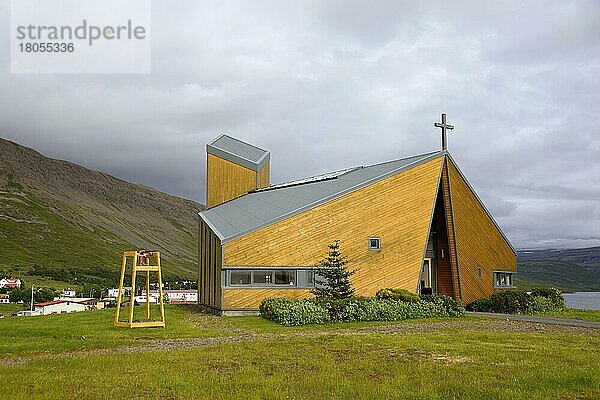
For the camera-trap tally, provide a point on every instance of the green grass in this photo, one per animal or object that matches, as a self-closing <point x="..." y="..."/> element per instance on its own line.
<point x="573" y="313"/>
<point x="93" y="330"/>
<point x="331" y="361"/>
<point x="471" y="365"/>
<point x="7" y="309"/>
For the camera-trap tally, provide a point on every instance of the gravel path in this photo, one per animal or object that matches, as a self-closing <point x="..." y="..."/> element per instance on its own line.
<point x="504" y="325"/>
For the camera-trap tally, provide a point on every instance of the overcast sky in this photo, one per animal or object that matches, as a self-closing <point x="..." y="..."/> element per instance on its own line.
<point x="328" y="85"/>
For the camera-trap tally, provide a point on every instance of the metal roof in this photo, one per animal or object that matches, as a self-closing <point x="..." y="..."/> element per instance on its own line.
<point x="261" y="208"/>
<point x="236" y="151"/>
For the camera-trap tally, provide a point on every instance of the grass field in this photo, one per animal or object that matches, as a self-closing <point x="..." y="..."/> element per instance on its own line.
<point x="573" y="313"/>
<point x="200" y="356"/>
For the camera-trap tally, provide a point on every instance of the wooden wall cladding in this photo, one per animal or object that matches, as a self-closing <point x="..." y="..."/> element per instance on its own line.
<point x="264" y="176"/>
<point x="249" y="299"/>
<point x="226" y="180"/>
<point x="209" y="267"/>
<point x="478" y="241"/>
<point x="397" y="209"/>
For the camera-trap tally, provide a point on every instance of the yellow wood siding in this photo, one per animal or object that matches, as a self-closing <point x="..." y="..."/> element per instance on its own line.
<point x="264" y="176"/>
<point x="249" y="299"/>
<point x="397" y="209"/>
<point x="478" y="241"/>
<point x="226" y="180"/>
<point x="209" y="267"/>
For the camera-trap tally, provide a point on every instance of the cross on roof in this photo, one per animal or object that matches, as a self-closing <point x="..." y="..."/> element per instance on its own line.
<point x="444" y="126"/>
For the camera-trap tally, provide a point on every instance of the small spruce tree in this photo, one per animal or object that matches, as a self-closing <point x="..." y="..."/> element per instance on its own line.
<point x="336" y="283"/>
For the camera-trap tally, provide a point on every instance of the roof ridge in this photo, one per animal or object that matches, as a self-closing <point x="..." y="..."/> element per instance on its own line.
<point x="237" y="140"/>
<point x="341" y="172"/>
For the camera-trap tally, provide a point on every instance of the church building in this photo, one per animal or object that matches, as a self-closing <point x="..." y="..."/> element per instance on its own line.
<point x="413" y="223"/>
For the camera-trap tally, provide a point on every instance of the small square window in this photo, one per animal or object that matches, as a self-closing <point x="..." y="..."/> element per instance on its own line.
<point x="374" y="243"/>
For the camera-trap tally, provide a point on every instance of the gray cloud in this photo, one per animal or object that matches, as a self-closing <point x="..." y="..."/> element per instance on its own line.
<point x="327" y="85"/>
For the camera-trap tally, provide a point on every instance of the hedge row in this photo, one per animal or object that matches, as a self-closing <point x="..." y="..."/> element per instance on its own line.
<point x="540" y="300"/>
<point x="314" y="311"/>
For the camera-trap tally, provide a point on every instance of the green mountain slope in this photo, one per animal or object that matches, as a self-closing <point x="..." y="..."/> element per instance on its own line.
<point x="571" y="270"/>
<point x="71" y="224"/>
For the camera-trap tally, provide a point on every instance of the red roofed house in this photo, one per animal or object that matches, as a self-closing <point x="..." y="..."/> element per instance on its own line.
<point x="60" y="307"/>
<point x="10" y="283"/>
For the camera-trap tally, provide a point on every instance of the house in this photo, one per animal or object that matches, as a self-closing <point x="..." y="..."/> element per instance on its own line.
<point x="414" y="223"/>
<point x="177" y="296"/>
<point x="115" y="292"/>
<point x="60" y="307"/>
<point x="91" y="302"/>
<point x="68" y="292"/>
<point x="4" y="298"/>
<point x="10" y="283"/>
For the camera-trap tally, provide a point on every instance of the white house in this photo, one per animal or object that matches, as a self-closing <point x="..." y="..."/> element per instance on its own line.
<point x="60" y="307"/>
<point x="68" y="292"/>
<point x="4" y="298"/>
<point x="181" y="296"/>
<point x="142" y="299"/>
<point x="115" y="292"/>
<point x="10" y="283"/>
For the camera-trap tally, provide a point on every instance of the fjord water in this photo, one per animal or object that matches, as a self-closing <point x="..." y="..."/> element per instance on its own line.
<point x="583" y="300"/>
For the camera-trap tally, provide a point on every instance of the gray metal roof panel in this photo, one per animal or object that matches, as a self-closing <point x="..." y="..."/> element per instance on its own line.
<point x="239" y="152"/>
<point x="258" y="209"/>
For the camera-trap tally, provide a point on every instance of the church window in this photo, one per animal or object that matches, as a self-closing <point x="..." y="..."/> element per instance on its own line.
<point x="503" y="279"/>
<point x="374" y="243"/>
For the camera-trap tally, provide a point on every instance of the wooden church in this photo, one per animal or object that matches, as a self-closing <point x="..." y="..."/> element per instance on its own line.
<point x="413" y="223"/>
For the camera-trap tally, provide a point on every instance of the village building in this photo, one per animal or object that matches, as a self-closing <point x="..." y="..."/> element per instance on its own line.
<point x="175" y="296"/>
<point x="60" y="307"/>
<point x="414" y="223"/>
<point x="115" y="292"/>
<point x="68" y="292"/>
<point x="10" y="283"/>
<point x="4" y="298"/>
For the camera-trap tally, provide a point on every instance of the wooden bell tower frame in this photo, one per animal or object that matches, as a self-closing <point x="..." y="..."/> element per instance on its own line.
<point x="141" y="261"/>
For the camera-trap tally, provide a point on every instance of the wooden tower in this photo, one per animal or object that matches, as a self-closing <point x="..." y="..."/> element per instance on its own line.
<point x="233" y="169"/>
<point x="142" y="261"/>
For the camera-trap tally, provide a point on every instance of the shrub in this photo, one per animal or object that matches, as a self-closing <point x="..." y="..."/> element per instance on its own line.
<point x="551" y="293"/>
<point x="293" y="312"/>
<point x="510" y="302"/>
<point x="450" y="306"/>
<point x="397" y="294"/>
<point x="539" y="304"/>
<point x="481" y="305"/>
<point x="300" y="312"/>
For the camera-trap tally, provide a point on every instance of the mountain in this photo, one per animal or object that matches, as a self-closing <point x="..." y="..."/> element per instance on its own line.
<point x="569" y="269"/>
<point x="68" y="223"/>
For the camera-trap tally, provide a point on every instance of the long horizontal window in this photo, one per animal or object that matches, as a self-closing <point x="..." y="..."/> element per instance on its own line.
<point x="279" y="278"/>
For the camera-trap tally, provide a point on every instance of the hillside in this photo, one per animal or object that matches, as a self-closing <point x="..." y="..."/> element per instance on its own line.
<point x="73" y="223"/>
<point x="570" y="269"/>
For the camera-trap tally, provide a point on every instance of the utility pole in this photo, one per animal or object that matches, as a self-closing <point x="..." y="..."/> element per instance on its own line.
<point x="31" y="307"/>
